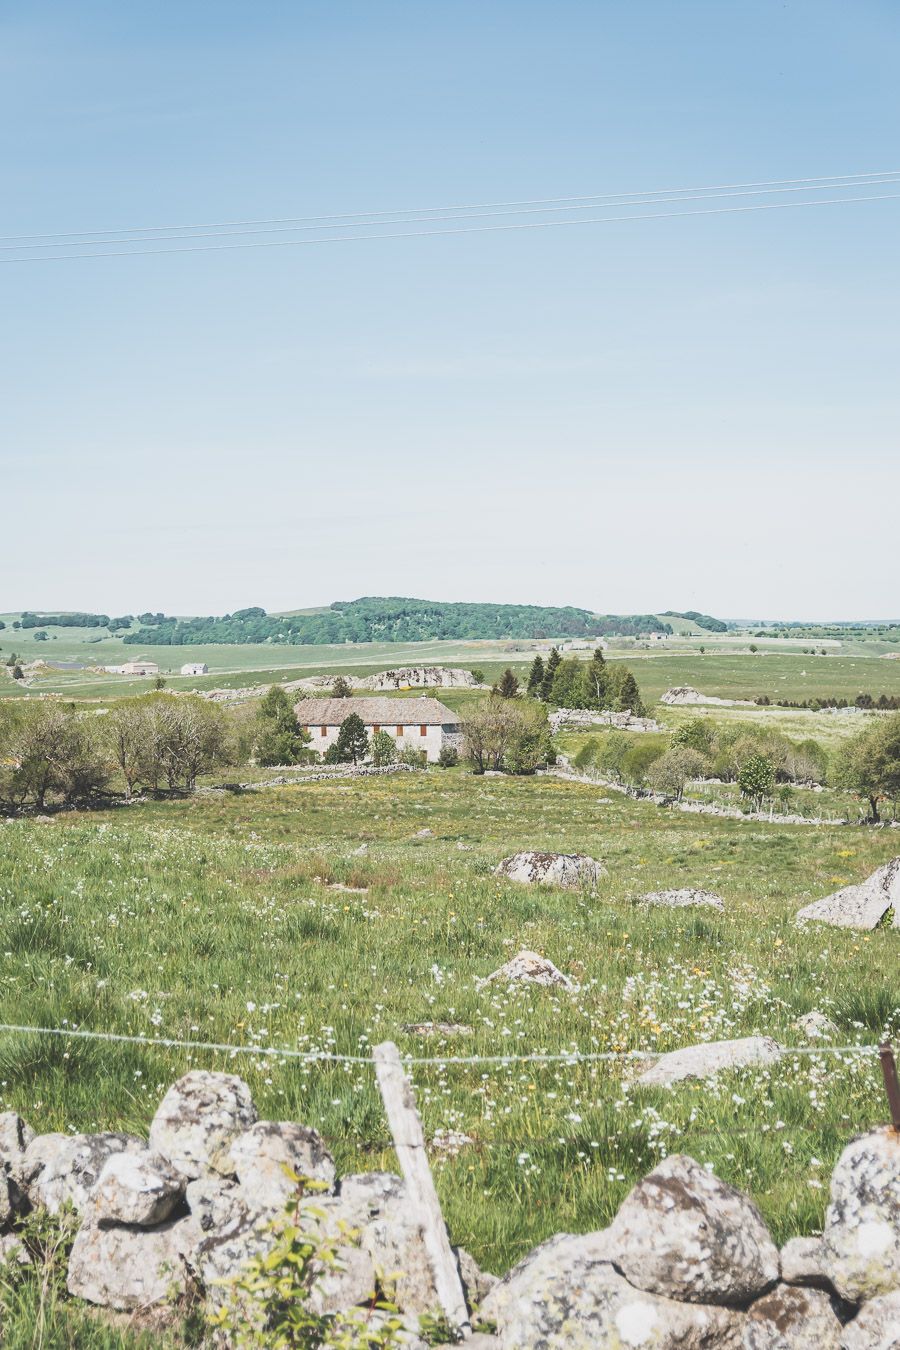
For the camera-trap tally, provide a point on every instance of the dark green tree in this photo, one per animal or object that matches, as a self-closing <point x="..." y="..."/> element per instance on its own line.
<point x="536" y="677"/>
<point x="352" y="742"/>
<point x="341" y="688"/>
<point x="508" y="684"/>
<point x="550" y="669"/>
<point x="596" y="681"/>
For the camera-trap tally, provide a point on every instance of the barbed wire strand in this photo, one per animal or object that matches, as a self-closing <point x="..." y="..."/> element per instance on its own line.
<point x="333" y="1057"/>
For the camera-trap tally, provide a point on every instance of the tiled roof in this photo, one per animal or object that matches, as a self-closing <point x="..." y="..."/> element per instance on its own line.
<point x="330" y="712"/>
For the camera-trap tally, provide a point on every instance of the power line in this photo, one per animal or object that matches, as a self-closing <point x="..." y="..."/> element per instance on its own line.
<point x="839" y="181"/>
<point x="478" y="229"/>
<point x="216" y="232"/>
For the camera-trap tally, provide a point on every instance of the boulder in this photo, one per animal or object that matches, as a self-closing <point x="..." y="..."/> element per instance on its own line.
<point x="477" y="1283"/>
<point x="712" y="1057"/>
<point x="264" y="1156"/>
<point x="685" y="898"/>
<point x="125" y="1267"/>
<point x="551" y="869"/>
<point x="529" y="968"/>
<point x="428" y="1029"/>
<point x="221" y="1257"/>
<point x="861" y="906"/>
<point x="60" y="1168"/>
<point x="861" y="1238"/>
<point x="815" y="1026"/>
<point x="566" y="1295"/>
<point x="803" y="1262"/>
<point x="684" y="1234"/>
<point x="12" y="1251"/>
<point x="215" y="1204"/>
<point x="876" y="1326"/>
<point x="792" y="1319"/>
<point x="199" y="1119"/>
<point x="15" y="1136"/>
<point x="141" y="1189"/>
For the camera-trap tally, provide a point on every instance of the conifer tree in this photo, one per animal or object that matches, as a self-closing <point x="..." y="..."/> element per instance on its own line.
<point x="550" y="669"/>
<point x="508" y="684"/>
<point x="536" y="677"/>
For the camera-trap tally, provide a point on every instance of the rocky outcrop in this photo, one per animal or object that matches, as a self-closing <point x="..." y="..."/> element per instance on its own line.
<point x="684" y="694"/>
<point x="569" y="870"/>
<point x="685" y="898"/>
<point x="712" y="1057"/>
<point x="529" y="968"/>
<point x="589" y="717"/>
<point x="862" y="906"/>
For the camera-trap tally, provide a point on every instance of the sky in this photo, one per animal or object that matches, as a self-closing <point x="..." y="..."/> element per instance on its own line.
<point x="633" y="416"/>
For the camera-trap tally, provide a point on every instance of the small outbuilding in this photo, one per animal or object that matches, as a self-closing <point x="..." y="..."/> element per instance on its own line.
<point x="139" y="668"/>
<point x="195" y="668"/>
<point x="413" y="723"/>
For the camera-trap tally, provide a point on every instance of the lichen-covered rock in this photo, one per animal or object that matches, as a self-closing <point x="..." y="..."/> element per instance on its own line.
<point x="529" y="968"/>
<point x="350" y="1282"/>
<point x="264" y="1157"/>
<point x="199" y="1119"/>
<point x="15" y="1136"/>
<point x="477" y="1283"/>
<point x="803" y="1262"/>
<point x="124" y="1267"/>
<point x="876" y="1326"/>
<point x="792" y="1319"/>
<point x="816" y="1026"/>
<point x="702" y="1061"/>
<point x="61" y="1168"/>
<point x="684" y="1234"/>
<point x="551" y="869"/>
<point x="566" y="1295"/>
<point x="140" y="1189"/>
<point x="215" y="1204"/>
<point x="12" y="1252"/>
<point x="861" y="906"/>
<point x="861" y="1239"/>
<point x="686" y="897"/>
<point x="221" y="1257"/>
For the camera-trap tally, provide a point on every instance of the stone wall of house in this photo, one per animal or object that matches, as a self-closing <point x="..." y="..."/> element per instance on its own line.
<point x="687" y="1263"/>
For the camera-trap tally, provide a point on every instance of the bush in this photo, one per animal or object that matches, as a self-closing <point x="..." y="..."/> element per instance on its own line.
<point x="416" y="758"/>
<point x="671" y="771"/>
<point x="448" y="757"/>
<point x="384" y="751"/>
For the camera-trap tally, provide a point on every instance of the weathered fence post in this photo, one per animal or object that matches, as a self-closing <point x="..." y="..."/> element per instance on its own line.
<point x="409" y="1145"/>
<point x="891" y="1085"/>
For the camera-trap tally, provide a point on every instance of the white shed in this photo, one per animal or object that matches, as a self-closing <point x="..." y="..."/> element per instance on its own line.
<point x="195" y="668"/>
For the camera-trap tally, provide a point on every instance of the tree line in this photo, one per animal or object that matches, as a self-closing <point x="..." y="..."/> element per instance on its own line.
<point x="572" y="683"/>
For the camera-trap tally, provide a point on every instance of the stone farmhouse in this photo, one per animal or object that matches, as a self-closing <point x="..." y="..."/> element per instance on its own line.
<point x="419" y="723"/>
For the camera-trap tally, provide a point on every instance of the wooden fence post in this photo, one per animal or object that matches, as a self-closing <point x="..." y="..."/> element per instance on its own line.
<point x="409" y="1145"/>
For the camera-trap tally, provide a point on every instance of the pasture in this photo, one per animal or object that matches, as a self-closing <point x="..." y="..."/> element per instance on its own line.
<point x="249" y="919"/>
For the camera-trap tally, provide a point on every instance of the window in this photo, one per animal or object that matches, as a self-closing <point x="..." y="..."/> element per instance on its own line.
<point x="323" y="731"/>
<point x="423" y="731"/>
<point x="399" y="731"/>
<point x="306" y="729"/>
<point x="375" y="729"/>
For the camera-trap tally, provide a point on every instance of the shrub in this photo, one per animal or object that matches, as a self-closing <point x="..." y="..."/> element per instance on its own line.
<point x="384" y="751"/>
<point x="672" y="770"/>
<point x="416" y="758"/>
<point x="341" y="688"/>
<point x="757" y="779"/>
<point x="448" y="757"/>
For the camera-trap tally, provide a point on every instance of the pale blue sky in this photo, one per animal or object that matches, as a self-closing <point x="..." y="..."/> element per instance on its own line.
<point x="669" y="414"/>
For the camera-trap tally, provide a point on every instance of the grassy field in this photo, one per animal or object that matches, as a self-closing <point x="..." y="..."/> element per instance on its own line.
<point x="216" y="919"/>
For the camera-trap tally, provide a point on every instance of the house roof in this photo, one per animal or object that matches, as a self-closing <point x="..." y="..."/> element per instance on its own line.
<point x="330" y="712"/>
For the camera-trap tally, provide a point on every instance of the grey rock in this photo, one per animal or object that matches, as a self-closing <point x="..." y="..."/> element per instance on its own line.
<point x="685" y="898"/>
<point x="425" y="834"/>
<point x="350" y="1282"/>
<point x="861" y="1238"/>
<point x="815" y="1026"/>
<point x="15" y="1136"/>
<point x="360" y="852"/>
<point x="396" y="1245"/>
<point x="477" y="1283"/>
<point x="703" y="1061"/>
<point x="429" y="1029"/>
<point x="221" y="1257"/>
<point x="141" y="1189"/>
<point x="876" y="1326"/>
<point x="566" y="1295"/>
<point x="529" y="968"/>
<point x="803" y="1262"/>
<point x="199" y="1119"/>
<point x="61" y="1168"/>
<point x="861" y="906"/>
<point x="684" y="1234"/>
<point x="12" y="1252"/>
<point x="792" y="1319"/>
<point x="215" y="1204"/>
<point x="569" y="870"/>
<point x="264" y="1157"/>
<point x="125" y="1267"/>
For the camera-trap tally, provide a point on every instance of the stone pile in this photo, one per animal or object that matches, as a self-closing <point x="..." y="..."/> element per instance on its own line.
<point x="687" y="1263"/>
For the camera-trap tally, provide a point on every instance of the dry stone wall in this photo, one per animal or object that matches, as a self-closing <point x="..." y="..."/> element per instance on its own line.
<point x="687" y="1263"/>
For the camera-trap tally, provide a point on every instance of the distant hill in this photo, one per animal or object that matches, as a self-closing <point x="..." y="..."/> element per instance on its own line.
<point x="389" y="619"/>
<point x="704" y="622"/>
